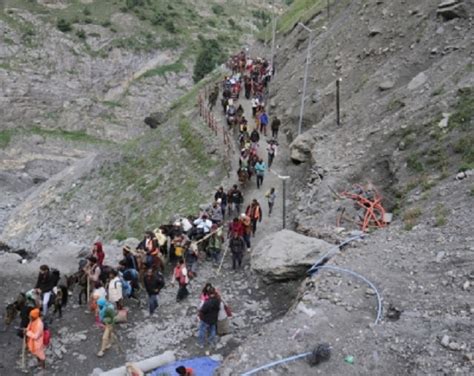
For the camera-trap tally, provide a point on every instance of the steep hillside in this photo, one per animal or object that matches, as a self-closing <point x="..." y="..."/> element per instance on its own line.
<point x="79" y="79"/>
<point x="406" y="99"/>
<point x="101" y="67"/>
<point x="118" y="193"/>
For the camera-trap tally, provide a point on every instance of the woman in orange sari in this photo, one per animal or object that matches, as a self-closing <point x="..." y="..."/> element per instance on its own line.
<point x="34" y="337"/>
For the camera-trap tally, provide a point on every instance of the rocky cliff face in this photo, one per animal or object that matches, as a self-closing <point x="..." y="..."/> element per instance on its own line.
<point x="406" y="100"/>
<point x="406" y="128"/>
<point x="78" y="80"/>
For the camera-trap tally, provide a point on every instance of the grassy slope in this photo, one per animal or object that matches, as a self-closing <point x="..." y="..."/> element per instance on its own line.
<point x="298" y="11"/>
<point x="7" y="135"/>
<point x="157" y="175"/>
<point x="161" y="24"/>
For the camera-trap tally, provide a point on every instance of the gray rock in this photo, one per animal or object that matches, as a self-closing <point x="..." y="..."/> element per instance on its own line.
<point x="286" y="255"/>
<point x="131" y="242"/>
<point x="417" y="81"/>
<point x="444" y="121"/>
<point x="155" y="119"/>
<point x="386" y="85"/>
<point x="37" y="139"/>
<point x="450" y="9"/>
<point x="375" y="30"/>
<point x="445" y="340"/>
<point x="300" y="148"/>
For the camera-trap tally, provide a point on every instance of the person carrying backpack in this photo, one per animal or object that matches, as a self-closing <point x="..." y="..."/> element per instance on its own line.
<point x="237" y="248"/>
<point x="45" y="283"/>
<point x="153" y="282"/>
<point x="235" y="198"/>
<point x="107" y="314"/>
<point x="115" y="289"/>
<point x="254" y="211"/>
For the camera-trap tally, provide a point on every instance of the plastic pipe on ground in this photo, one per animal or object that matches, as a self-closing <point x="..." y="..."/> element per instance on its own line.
<point x="276" y="363"/>
<point x="145" y="365"/>
<point x="357" y="275"/>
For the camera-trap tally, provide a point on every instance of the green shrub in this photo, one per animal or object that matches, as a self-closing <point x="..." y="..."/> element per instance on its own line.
<point x="134" y="3"/>
<point x="158" y="18"/>
<point x="410" y="217"/>
<point x="169" y="26"/>
<point x="81" y="34"/>
<point x="5" y="138"/>
<point x="64" y="25"/>
<point x="464" y="116"/>
<point x="86" y="12"/>
<point x="209" y="56"/>
<point x="414" y="163"/>
<point x="440" y="215"/>
<point x="217" y="9"/>
<point x="465" y="148"/>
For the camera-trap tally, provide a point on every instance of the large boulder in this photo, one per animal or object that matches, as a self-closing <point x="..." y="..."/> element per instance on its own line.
<point x="287" y="255"/>
<point x="300" y="148"/>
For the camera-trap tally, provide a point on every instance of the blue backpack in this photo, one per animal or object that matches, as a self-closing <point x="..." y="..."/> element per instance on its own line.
<point x="126" y="288"/>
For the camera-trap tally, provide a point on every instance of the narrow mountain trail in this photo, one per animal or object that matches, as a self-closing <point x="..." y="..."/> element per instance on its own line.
<point x="174" y="326"/>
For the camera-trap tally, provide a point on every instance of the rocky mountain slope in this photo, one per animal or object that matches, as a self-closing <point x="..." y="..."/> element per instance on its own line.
<point x="407" y="129"/>
<point x="78" y="81"/>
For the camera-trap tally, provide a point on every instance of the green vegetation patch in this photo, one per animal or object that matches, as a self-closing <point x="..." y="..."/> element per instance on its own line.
<point x="5" y="138"/>
<point x="299" y="11"/>
<point x="194" y="145"/>
<point x="410" y="217"/>
<point x="162" y="70"/>
<point x="210" y="55"/>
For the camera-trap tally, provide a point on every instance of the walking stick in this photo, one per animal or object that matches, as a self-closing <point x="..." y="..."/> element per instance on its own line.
<point x="23" y="352"/>
<point x="88" y="290"/>
<point x="222" y="261"/>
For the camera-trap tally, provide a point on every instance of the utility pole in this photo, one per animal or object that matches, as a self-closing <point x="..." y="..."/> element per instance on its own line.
<point x="338" y="106"/>
<point x="284" y="179"/>
<point x="273" y="34"/>
<point x="308" y="58"/>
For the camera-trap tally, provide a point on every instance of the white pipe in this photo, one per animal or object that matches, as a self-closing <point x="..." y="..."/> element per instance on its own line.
<point x="145" y="365"/>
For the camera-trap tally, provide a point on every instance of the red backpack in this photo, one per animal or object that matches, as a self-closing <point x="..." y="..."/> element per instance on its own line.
<point x="46" y="337"/>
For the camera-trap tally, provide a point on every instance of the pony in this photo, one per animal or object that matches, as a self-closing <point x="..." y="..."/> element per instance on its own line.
<point x="58" y="300"/>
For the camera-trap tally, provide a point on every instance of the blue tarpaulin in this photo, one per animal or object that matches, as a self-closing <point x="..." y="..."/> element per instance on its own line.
<point x="203" y="366"/>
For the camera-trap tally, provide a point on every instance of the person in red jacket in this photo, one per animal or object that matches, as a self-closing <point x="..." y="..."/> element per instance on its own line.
<point x="236" y="227"/>
<point x="98" y="253"/>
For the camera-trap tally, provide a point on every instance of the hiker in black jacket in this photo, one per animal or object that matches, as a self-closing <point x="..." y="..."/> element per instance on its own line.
<point x="154" y="282"/>
<point x="45" y="284"/>
<point x="208" y="315"/>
